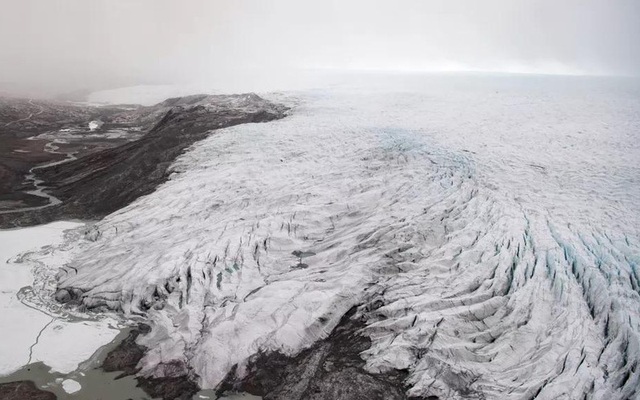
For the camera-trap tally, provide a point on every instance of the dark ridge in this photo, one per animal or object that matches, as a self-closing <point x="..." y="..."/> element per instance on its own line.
<point x="23" y="390"/>
<point x="330" y="370"/>
<point x="125" y="358"/>
<point x="176" y="388"/>
<point x="100" y="183"/>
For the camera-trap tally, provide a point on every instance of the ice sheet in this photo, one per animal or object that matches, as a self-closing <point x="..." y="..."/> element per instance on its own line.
<point x="496" y="221"/>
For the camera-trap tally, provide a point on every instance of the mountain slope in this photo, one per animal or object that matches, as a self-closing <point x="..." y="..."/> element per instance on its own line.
<point x="102" y="182"/>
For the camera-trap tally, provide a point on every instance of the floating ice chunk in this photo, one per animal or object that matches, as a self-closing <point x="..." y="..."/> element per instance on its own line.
<point x="64" y="345"/>
<point x="70" y="386"/>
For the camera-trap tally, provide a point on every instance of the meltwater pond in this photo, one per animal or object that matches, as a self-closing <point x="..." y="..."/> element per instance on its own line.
<point x="494" y="222"/>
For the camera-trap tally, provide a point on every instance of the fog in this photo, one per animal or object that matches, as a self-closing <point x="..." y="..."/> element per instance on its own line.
<point x="56" y="46"/>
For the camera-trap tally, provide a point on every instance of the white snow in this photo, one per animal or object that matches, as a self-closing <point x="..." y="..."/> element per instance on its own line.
<point x="496" y="219"/>
<point x="33" y="329"/>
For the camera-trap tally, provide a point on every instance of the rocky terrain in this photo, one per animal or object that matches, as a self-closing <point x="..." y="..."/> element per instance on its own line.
<point x="28" y="129"/>
<point x="24" y="390"/>
<point x="330" y="369"/>
<point x="107" y="173"/>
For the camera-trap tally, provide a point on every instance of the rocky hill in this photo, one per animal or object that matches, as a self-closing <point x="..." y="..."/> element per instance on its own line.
<point x="101" y="182"/>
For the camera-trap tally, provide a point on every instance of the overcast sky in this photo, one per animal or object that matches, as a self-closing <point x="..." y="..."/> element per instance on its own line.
<point x="73" y="44"/>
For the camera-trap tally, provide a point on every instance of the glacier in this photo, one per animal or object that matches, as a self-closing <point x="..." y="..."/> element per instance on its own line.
<point x="486" y="229"/>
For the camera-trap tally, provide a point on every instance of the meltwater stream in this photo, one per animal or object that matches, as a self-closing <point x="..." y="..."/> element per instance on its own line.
<point x="40" y="188"/>
<point x="493" y="223"/>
